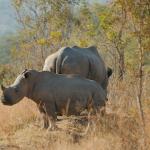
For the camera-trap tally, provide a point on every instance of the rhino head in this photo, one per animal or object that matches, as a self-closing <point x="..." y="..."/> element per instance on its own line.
<point x="18" y="90"/>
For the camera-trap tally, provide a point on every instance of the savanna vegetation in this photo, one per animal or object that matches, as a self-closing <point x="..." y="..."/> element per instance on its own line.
<point x="120" y="30"/>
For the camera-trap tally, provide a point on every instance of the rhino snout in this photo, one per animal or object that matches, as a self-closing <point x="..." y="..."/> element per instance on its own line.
<point x="6" y="100"/>
<point x="3" y="99"/>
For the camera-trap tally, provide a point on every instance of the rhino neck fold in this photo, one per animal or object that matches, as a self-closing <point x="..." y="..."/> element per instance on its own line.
<point x="30" y="92"/>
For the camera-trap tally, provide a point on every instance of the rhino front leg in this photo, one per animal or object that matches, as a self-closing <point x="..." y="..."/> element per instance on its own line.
<point x="52" y="124"/>
<point x="48" y="115"/>
<point x="45" y="121"/>
<point x="48" y="121"/>
<point x="51" y="116"/>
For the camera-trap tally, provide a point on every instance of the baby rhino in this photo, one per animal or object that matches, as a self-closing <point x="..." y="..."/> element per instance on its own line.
<point x="55" y="94"/>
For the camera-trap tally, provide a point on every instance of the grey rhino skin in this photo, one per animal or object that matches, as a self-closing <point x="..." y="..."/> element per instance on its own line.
<point x="55" y="94"/>
<point x="83" y="61"/>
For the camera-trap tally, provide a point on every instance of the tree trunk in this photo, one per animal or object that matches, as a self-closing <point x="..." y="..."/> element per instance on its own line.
<point x="121" y="68"/>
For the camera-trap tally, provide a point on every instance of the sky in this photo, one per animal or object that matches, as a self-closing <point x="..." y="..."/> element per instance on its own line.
<point x="8" y="23"/>
<point x="7" y="17"/>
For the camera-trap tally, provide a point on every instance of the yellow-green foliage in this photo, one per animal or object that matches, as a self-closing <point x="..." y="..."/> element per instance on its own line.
<point x="41" y="41"/>
<point x="56" y="36"/>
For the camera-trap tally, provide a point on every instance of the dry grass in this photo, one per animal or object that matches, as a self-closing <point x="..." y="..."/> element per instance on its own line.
<point x="119" y="129"/>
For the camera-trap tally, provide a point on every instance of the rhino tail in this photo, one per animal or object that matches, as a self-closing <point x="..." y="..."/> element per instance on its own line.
<point x="91" y="73"/>
<point x="109" y="71"/>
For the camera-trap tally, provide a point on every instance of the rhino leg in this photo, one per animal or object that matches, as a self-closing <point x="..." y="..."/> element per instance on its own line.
<point x="52" y="124"/>
<point x="103" y="111"/>
<point x="51" y="116"/>
<point x="96" y="106"/>
<point x="48" y="122"/>
<point x="45" y="122"/>
<point x="48" y="117"/>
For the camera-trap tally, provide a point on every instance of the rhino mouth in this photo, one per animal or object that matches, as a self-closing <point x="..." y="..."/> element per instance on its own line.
<point x="5" y="102"/>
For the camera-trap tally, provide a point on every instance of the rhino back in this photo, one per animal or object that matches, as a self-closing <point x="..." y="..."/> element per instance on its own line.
<point x="84" y="61"/>
<point x="65" y="85"/>
<point x="71" y="61"/>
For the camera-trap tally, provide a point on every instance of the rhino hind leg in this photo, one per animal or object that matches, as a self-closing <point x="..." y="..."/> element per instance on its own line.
<point x="92" y="107"/>
<point x="98" y="104"/>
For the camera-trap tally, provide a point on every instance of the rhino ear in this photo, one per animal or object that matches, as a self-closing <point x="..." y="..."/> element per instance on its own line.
<point x="27" y="74"/>
<point x="2" y="87"/>
<point x="24" y="71"/>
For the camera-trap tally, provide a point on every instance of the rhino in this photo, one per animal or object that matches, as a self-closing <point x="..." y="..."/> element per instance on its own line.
<point x="83" y="61"/>
<point x="55" y="94"/>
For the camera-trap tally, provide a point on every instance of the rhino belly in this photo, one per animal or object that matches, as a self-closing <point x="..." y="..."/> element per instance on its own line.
<point x="71" y="105"/>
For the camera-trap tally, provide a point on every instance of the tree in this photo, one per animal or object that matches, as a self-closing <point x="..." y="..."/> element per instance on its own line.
<point x="46" y="26"/>
<point x="139" y="12"/>
<point x="114" y="24"/>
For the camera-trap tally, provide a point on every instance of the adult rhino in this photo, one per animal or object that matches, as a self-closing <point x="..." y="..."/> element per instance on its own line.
<point x="83" y="61"/>
<point x="55" y="94"/>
